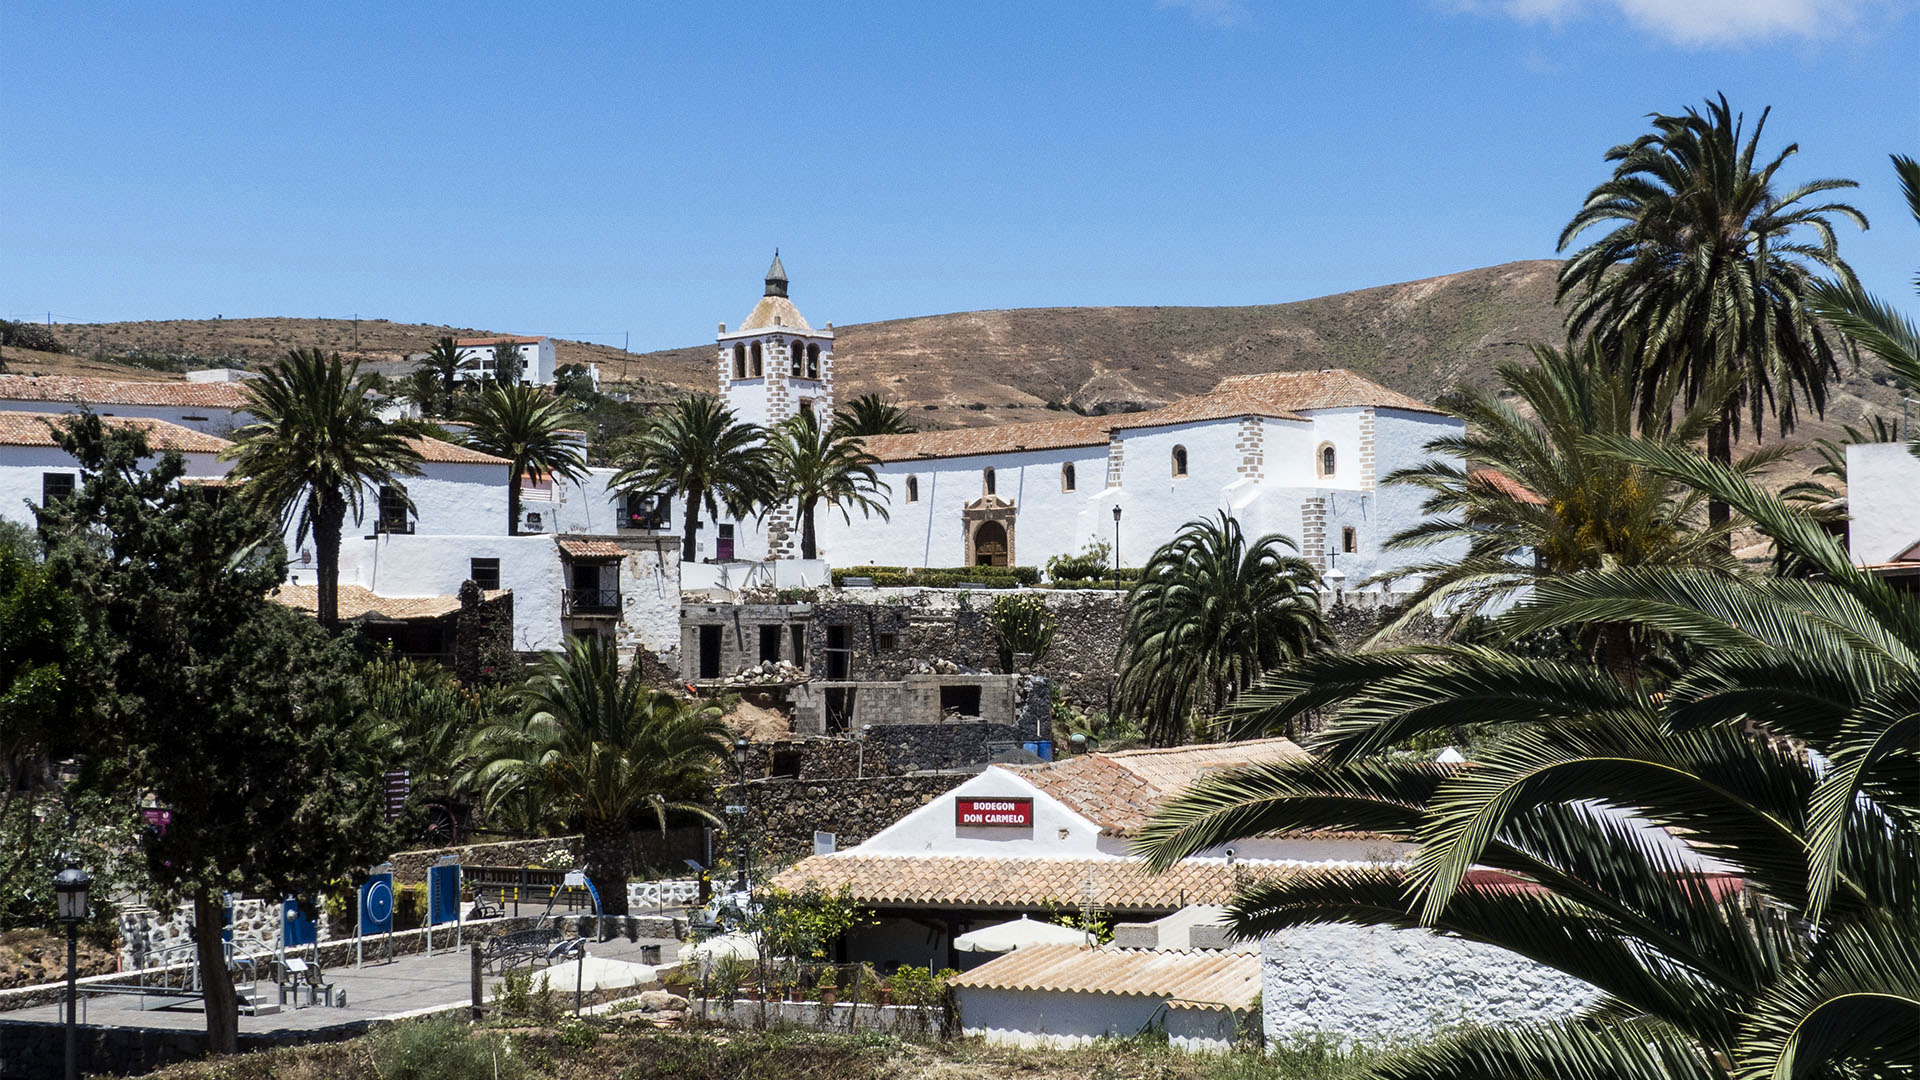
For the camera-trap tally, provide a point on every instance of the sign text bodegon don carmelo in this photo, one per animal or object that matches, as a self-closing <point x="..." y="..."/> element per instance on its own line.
<point x="1008" y="811"/>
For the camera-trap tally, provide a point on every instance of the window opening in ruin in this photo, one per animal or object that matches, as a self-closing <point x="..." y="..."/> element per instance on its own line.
<point x="886" y="641"/>
<point x="710" y="651"/>
<point x="784" y="764"/>
<point x="839" y="701"/>
<point x="484" y="573"/>
<point x="1349" y="539"/>
<point x="799" y="645"/>
<point x="839" y="651"/>
<point x="960" y="701"/>
<point x="1179" y="461"/>
<point x="770" y="642"/>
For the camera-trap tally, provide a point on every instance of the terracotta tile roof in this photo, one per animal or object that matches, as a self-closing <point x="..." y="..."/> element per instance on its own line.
<point x="1283" y="395"/>
<point x="1506" y="485"/>
<point x="1005" y="438"/>
<point x="36" y="429"/>
<point x="359" y="602"/>
<point x="468" y="342"/>
<point x="984" y="881"/>
<point x="93" y="391"/>
<point x="1197" y="979"/>
<point x="447" y="453"/>
<point x="1120" y="790"/>
<point x="580" y="547"/>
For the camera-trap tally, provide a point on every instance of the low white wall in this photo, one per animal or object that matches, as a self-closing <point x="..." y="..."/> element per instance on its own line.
<point x="1883" y="497"/>
<point x="1368" y="984"/>
<point x="1041" y="1018"/>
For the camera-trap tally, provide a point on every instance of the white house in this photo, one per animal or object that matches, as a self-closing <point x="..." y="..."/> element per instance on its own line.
<point x="1883" y="505"/>
<point x="1296" y="453"/>
<point x="34" y="470"/>
<point x="480" y="359"/>
<point x="214" y="408"/>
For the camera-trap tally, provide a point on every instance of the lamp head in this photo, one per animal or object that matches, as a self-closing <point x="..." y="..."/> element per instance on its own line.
<point x="70" y="894"/>
<point x="740" y="751"/>
<point x="1116" y="515"/>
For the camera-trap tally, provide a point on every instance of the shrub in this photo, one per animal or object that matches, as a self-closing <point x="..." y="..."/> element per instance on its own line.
<point x="440" y="1048"/>
<point x="1022" y="624"/>
<point x="27" y="335"/>
<point x="1091" y="564"/>
<point x="942" y="577"/>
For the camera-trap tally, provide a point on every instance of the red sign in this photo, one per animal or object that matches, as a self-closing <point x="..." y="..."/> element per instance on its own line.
<point x="993" y="811"/>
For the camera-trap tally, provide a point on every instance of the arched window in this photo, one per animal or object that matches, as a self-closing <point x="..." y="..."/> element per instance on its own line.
<point x="813" y="361"/>
<point x="1179" y="461"/>
<point x="1326" y="459"/>
<point x="796" y="359"/>
<point x="913" y="489"/>
<point x="739" y="361"/>
<point x="755" y="366"/>
<point x="1349" y="539"/>
<point x="1066" y="477"/>
<point x="986" y="479"/>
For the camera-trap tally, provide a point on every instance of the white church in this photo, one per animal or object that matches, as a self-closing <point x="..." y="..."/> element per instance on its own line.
<point x="1296" y="453"/>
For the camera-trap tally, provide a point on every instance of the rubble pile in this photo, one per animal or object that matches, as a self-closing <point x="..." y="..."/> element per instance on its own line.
<point x="943" y="667"/>
<point x="766" y="672"/>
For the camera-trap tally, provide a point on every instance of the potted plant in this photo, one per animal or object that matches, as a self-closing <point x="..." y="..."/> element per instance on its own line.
<point x="828" y="985"/>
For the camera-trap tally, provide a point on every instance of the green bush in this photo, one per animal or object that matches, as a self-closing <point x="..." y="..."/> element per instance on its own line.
<point x="441" y="1048"/>
<point x="942" y="577"/>
<point x="1089" y="565"/>
<point x="27" y="335"/>
<point x="1021" y="624"/>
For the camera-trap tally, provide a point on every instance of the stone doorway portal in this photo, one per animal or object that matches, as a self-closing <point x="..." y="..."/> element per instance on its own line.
<point x="989" y="531"/>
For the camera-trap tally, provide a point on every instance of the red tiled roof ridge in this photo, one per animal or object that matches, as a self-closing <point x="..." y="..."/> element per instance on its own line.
<point x="517" y="339"/>
<point x="94" y="390"/>
<point x="25" y="428"/>
<point x="443" y="452"/>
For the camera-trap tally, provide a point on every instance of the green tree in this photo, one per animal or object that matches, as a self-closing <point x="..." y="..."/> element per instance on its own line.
<point x="1704" y="282"/>
<point x="812" y="466"/>
<point x="1021" y="624"/>
<point x="443" y="360"/>
<point x="318" y="447"/>
<point x="507" y="365"/>
<point x="697" y="449"/>
<point x="238" y="715"/>
<point x="422" y="387"/>
<point x="1871" y="322"/>
<point x="869" y="415"/>
<point x="527" y="426"/>
<point x="603" y="747"/>
<point x="1786" y="751"/>
<point x="40" y="644"/>
<point x="1531" y="502"/>
<point x="1210" y="614"/>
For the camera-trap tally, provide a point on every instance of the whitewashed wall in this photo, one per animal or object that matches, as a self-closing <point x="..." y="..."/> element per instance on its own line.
<point x="449" y="500"/>
<point x="1883" y="497"/>
<point x="22" y="469"/>
<point x="1368" y="984"/>
<point x="427" y="565"/>
<point x="650" y="601"/>
<point x="1042" y="1018"/>
<point x="1056" y="830"/>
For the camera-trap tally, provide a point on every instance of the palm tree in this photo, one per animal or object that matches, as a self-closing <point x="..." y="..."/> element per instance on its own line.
<point x="812" y="465"/>
<point x="1786" y="752"/>
<point x="869" y="415"/>
<point x="422" y="387"/>
<point x="525" y="425"/>
<point x="697" y="449"/>
<point x="443" y="360"/>
<point x="1210" y="614"/>
<point x="318" y="446"/>
<point x="1872" y="323"/>
<point x="1531" y="502"/>
<point x="1708" y="272"/>
<point x="603" y="747"/>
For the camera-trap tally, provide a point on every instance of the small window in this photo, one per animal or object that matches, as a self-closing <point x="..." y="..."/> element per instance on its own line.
<point x="1326" y="459"/>
<point x="755" y="365"/>
<point x="1066" y="477"/>
<point x="813" y="362"/>
<point x="1349" y="539"/>
<point x="1179" y="461"/>
<point x="797" y="360"/>
<point x="986" y="478"/>
<point x="739" y="361"/>
<point x="784" y="764"/>
<point x="913" y="489"/>
<point x="886" y="641"/>
<point x="484" y="573"/>
<point x="393" y="511"/>
<point x="806" y="405"/>
<point x="55" y="486"/>
<point x="770" y="642"/>
<point x="647" y="510"/>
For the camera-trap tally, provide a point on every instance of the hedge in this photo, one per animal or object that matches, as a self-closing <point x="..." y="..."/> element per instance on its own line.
<point x="942" y="577"/>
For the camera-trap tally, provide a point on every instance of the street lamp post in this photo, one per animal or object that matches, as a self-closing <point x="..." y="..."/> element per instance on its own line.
<point x="70" y="894"/>
<point x="1116" y="546"/>
<point x="740" y="815"/>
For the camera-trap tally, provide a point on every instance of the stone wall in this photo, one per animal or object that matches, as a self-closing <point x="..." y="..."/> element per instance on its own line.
<point x="905" y="748"/>
<point x="1367" y="984"/>
<point x="782" y="815"/>
<point x="410" y="867"/>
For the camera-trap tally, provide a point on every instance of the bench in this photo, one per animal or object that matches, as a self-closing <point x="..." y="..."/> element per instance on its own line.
<point x="298" y="975"/>
<point x="504" y="952"/>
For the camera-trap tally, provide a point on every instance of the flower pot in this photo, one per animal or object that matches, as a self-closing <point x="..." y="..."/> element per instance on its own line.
<point x="828" y="995"/>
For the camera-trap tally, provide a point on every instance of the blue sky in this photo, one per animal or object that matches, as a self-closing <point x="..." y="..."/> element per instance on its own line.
<point x="601" y="170"/>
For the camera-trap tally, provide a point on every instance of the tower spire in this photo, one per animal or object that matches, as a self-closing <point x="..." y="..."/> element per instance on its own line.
<point x="776" y="276"/>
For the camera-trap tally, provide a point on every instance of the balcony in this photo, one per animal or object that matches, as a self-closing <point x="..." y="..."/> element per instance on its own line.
<point x="593" y="602"/>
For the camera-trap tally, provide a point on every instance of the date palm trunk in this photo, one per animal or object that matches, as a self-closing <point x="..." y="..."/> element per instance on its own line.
<point x="216" y="979"/>
<point x="809" y="546"/>
<point x="513" y="502"/>
<point x="1720" y="452"/>
<point x="329" y="516"/>
<point x="690" y="544"/>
